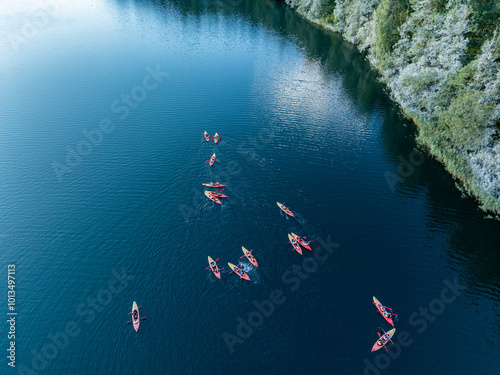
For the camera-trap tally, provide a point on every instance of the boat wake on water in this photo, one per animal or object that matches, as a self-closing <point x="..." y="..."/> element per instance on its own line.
<point x="299" y="218"/>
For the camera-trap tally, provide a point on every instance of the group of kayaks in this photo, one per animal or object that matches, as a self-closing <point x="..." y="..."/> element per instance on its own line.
<point x="295" y="240"/>
<point x="236" y="269"/>
<point x="214" y="196"/>
<point x="215" y="137"/>
<point x="388" y="315"/>
<point x="386" y="312"/>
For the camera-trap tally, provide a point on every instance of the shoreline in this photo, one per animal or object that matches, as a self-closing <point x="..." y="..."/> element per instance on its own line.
<point x="469" y="153"/>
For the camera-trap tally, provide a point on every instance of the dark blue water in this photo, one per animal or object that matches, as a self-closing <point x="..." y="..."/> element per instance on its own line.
<point x="102" y="160"/>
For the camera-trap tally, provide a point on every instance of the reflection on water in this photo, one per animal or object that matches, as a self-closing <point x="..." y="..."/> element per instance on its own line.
<point x="303" y="121"/>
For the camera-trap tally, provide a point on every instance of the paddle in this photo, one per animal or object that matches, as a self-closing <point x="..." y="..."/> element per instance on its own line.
<point x="129" y="321"/>
<point x="132" y="311"/>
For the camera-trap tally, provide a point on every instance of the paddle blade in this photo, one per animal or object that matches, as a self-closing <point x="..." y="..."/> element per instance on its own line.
<point x="129" y="321"/>
<point x="217" y="259"/>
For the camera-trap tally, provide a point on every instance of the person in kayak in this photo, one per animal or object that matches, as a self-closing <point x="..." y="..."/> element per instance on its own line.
<point x="383" y="340"/>
<point x="136" y="318"/>
<point x="387" y="311"/>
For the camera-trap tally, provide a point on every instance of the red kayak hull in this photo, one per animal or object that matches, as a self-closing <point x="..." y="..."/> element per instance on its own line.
<point x="243" y="275"/>
<point x="216" y="271"/>
<point x="212" y="185"/>
<point x="301" y="242"/>
<point x="219" y="195"/>
<point x="295" y="244"/>
<point x="286" y="210"/>
<point x="250" y="257"/>
<point x="379" y="345"/>
<point x="379" y="306"/>
<point x="138" y="322"/>
<point x="212" y="197"/>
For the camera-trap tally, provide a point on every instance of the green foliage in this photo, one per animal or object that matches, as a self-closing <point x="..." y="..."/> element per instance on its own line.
<point x="389" y="15"/>
<point x="327" y="8"/>
<point x="484" y="20"/>
<point x="441" y="61"/>
<point x="464" y="123"/>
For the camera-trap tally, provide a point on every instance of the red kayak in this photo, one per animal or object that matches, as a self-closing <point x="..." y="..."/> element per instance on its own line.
<point x="212" y="159"/>
<point x="383" y="340"/>
<point x="250" y="257"/>
<point x="216" y="138"/>
<point x="212" y="197"/>
<point x="295" y="244"/>
<point x="218" y="194"/>
<point x="382" y="310"/>
<point x="301" y="241"/>
<point x="213" y="267"/>
<point x="207" y="136"/>
<point x="136" y="319"/>
<point x="239" y="272"/>
<point x="286" y="210"/>
<point x="214" y="185"/>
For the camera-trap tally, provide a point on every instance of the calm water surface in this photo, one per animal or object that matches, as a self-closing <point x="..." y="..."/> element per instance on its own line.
<point x="303" y="121"/>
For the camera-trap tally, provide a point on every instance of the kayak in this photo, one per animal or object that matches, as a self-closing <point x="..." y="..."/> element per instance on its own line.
<point x="213" y="267"/>
<point x="218" y="194"/>
<point x="301" y="241"/>
<point x="285" y="209"/>
<point x="212" y="197"/>
<point x="238" y="271"/>
<point x="250" y="257"/>
<point x="383" y="340"/>
<point x="216" y="138"/>
<point x="136" y="323"/>
<point x="214" y="185"/>
<point x="295" y="244"/>
<point x="381" y="309"/>
<point x="212" y="159"/>
<point x="207" y="137"/>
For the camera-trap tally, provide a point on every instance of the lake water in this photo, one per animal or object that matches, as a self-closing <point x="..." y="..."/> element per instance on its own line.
<point x="102" y="159"/>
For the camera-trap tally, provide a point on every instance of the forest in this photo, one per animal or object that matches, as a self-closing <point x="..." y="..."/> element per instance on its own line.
<point x="440" y="59"/>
